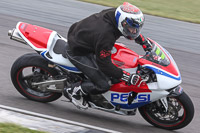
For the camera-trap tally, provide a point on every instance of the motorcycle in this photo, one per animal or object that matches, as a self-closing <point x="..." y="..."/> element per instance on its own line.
<point x="158" y="96"/>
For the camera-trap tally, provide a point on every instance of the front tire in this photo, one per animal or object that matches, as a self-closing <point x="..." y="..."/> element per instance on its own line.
<point x="32" y="68"/>
<point x="180" y="113"/>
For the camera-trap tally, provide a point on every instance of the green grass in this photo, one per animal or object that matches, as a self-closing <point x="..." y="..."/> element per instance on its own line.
<point x="12" y="128"/>
<point x="185" y="10"/>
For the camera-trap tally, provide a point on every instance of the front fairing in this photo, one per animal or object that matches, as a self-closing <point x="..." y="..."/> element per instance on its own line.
<point x="161" y="62"/>
<point x="157" y="55"/>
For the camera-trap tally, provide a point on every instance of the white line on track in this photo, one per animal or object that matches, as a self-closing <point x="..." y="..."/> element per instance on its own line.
<point x="56" y="119"/>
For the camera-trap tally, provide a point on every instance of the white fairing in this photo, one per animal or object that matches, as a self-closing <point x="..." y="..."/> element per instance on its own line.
<point x="165" y="80"/>
<point x="121" y="98"/>
<point x="58" y="58"/>
<point x="55" y="58"/>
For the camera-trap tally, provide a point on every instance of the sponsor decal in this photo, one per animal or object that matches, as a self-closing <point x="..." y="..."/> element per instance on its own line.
<point x="105" y="53"/>
<point x="154" y="64"/>
<point x="22" y="26"/>
<point x="124" y="97"/>
<point x="127" y="7"/>
<point x="134" y="60"/>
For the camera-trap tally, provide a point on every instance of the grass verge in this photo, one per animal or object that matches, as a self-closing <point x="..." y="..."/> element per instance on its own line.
<point x="13" y="128"/>
<point x="184" y="10"/>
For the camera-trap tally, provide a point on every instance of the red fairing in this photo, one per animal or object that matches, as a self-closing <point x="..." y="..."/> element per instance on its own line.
<point x="38" y="36"/>
<point x="122" y="87"/>
<point x="124" y="57"/>
<point x="170" y="68"/>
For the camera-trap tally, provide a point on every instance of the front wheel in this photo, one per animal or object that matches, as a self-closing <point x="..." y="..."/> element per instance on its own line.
<point x="31" y="68"/>
<point x="180" y="113"/>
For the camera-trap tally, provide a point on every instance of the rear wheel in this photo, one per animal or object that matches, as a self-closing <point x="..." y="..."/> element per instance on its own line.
<point x="180" y="113"/>
<point x="31" y="68"/>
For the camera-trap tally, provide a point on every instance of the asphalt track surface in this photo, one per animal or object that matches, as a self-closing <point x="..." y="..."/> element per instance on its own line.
<point x="181" y="39"/>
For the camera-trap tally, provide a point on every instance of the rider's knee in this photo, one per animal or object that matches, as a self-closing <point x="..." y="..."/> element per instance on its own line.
<point x="92" y="88"/>
<point x="104" y="87"/>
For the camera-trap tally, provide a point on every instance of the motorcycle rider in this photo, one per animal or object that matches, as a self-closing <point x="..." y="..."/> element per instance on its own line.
<point x="90" y="42"/>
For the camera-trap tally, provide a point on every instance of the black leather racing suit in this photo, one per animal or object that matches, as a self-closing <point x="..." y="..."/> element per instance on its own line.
<point x="95" y="36"/>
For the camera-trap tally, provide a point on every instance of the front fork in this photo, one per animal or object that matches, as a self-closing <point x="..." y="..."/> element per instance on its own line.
<point x="174" y="92"/>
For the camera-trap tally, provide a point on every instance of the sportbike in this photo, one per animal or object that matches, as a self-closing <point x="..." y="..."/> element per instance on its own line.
<point x="42" y="76"/>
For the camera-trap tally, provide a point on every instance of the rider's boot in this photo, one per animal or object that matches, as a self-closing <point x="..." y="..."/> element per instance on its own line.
<point x="76" y="93"/>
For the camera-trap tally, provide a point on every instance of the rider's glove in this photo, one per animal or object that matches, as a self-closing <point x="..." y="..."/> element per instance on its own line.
<point x="147" y="46"/>
<point x="131" y="79"/>
<point x="144" y="42"/>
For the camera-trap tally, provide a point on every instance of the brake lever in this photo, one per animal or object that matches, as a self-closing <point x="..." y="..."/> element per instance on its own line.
<point x="144" y="80"/>
<point x="144" y="75"/>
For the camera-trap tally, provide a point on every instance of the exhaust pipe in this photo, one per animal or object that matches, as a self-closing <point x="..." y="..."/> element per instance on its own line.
<point x="14" y="35"/>
<point x="51" y="85"/>
<point x="10" y="32"/>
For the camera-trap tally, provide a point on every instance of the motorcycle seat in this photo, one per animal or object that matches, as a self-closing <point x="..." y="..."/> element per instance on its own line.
<point x="60" y="47"/>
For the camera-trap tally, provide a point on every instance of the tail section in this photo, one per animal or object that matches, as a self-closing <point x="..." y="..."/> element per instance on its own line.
<point x="37" y="37"/>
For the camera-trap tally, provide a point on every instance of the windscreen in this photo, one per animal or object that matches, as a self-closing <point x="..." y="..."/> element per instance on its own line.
<point x="157" y="56"/>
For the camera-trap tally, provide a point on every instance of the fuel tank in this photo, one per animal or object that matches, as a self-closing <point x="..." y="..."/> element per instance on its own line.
<point x="123" y="57"/>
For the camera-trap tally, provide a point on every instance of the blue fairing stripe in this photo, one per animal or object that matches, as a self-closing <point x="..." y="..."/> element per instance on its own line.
<point x="163" y="73"/>
<point x="43" y="54"/>
<point x="70" y="68"/>
<point x="66" y="67"/>
<point x="117" y="17"/>
<point x="131" y="106"/>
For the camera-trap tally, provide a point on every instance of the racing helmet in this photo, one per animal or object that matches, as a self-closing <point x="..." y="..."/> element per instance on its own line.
<point x="129" y="20"/>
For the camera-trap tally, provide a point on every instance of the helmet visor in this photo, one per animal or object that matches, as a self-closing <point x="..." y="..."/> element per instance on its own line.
<point x="131" y="28"/>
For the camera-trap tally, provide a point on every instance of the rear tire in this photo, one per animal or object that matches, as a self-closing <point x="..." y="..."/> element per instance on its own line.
<point x="180" y="114"/>
<point x="26" y="64"/>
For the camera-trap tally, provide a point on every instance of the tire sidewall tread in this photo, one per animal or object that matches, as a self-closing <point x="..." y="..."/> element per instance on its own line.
<point x="32" y="59"/>
<point x="189" y="109"/>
